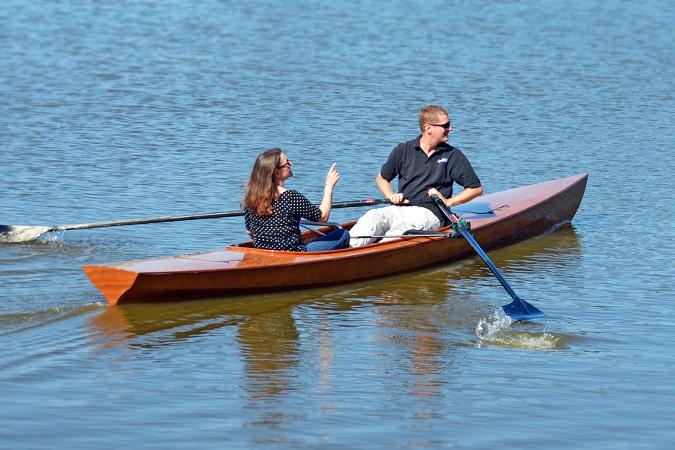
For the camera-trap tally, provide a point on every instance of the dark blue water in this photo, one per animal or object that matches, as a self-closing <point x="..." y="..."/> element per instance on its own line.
<point x="139" y="109"/>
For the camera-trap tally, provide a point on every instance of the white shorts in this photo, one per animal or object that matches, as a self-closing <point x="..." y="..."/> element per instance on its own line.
<point x="391" y="221"/>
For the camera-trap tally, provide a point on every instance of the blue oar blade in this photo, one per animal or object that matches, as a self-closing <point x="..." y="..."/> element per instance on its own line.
<point x="521" y="310"/>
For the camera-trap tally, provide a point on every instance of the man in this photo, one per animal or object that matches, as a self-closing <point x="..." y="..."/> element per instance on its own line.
<point x="425" y="166"/>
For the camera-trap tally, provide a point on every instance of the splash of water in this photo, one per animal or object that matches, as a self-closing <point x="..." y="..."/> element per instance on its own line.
<point x="496" y="331"/>
<point x="490" y="327"/>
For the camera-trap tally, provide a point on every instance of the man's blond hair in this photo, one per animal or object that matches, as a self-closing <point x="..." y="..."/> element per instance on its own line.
<point x="429" y="113"/>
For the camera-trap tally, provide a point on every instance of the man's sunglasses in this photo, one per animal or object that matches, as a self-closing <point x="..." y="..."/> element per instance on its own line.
<point x="446" y="126"/>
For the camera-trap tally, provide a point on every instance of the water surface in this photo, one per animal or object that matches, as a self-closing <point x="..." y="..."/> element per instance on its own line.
<point x="143" y="109"/>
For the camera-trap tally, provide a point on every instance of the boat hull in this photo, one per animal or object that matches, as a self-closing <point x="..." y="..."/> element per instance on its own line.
<point x="496" y="220"/>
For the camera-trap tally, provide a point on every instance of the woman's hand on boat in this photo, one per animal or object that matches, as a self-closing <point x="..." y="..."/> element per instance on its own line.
<point x="332" y="176"/>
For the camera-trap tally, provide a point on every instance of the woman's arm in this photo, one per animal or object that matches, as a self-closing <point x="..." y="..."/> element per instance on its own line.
<point x="332" y="178"/>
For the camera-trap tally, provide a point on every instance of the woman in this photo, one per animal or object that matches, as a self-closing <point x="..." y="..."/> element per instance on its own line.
<point x="273" y="213"/>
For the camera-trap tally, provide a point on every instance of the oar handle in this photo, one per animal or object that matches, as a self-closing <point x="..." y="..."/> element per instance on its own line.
<point x="366" y="202"/>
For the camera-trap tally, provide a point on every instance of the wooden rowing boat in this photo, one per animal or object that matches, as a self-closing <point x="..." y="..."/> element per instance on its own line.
<point x="496" y="220"/>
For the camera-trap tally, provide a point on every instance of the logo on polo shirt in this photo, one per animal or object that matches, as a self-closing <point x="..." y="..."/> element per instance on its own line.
<point x="442" y="160"/>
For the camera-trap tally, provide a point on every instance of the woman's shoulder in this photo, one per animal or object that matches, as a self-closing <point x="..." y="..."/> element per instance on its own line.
<point x="295" y="201"/>
<point x="292" y="194"/>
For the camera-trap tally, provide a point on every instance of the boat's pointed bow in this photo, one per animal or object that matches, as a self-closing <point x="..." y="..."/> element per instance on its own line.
<point x="112" y="282"/>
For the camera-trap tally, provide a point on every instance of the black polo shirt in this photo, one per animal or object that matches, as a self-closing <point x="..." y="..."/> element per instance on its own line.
<point x="417" y="174"/>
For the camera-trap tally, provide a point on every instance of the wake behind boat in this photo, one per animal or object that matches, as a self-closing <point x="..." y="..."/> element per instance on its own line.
<point x="496" y="219"/>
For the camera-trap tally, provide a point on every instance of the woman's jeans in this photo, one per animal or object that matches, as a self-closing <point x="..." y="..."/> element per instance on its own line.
<point x="338" y="238"/>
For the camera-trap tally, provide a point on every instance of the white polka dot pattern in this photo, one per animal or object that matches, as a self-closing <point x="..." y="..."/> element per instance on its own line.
<point x="281" y="230"/>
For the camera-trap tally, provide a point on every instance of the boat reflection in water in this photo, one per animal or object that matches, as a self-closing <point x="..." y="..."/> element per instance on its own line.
<point x="410" y="324"/>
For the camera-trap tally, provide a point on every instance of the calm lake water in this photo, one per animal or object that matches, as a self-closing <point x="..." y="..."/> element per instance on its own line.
<point x="129" y="109"/>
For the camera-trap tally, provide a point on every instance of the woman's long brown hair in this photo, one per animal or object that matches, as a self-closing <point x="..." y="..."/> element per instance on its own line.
<point x="262" y="187"/>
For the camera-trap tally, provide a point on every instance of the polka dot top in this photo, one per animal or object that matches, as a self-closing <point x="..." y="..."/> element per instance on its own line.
<point x="281" y="230"/>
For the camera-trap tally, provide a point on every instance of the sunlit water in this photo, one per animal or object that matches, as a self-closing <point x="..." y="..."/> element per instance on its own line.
<point x="126" y="109"/>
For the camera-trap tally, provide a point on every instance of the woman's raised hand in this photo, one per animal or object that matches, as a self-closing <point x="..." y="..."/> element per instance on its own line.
<point x="332" y="176"/>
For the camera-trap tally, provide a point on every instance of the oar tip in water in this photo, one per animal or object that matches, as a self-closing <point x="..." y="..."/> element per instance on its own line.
<point x="12" y="234"/>
<point x="521" y="310"/>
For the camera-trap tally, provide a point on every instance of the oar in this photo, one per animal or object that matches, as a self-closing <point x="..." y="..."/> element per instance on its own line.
<point x="518" y="309"/>
<point x="24" y="233"/>
<point x="406" y="234"/>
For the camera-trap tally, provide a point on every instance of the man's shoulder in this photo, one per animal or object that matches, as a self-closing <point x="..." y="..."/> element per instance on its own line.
<point x="451" y="152"/>
<point x="408" y="145"/>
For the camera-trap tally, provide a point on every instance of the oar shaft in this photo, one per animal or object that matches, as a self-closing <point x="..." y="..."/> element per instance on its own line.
<point x="357" y="203"/>
<point x="213" y="215"/>
<point x="477" y="248"/>
<point x="19" y="233"/>
<point x="117" y="223"/>
<point x="518" y="309"/>
<point x="399" y="236"/>
<point x="469" y="237"/>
